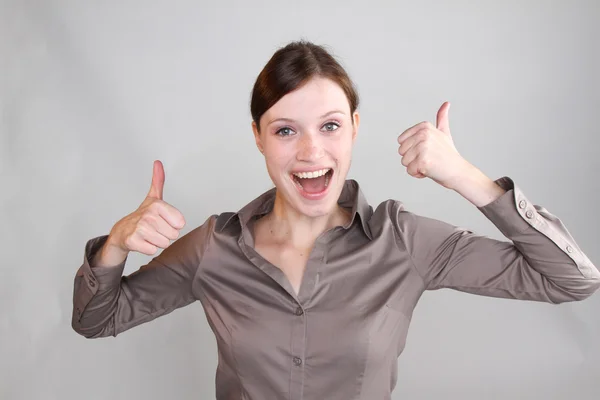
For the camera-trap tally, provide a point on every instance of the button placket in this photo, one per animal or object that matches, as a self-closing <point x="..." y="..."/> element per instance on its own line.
<point x="310" y="273"/>
<point x="297" y="350"/>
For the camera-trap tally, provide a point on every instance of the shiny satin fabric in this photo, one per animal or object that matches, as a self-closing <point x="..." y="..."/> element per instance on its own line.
<point x="341" y="335"/>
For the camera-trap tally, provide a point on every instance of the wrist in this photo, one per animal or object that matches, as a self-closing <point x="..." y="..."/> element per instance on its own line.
<point x="465" y="177"/>
<point x="478" y="188"/>
<point x="110" y="254"/>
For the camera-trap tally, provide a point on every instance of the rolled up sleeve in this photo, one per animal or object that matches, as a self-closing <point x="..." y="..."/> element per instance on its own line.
<point x="540" y="262"/>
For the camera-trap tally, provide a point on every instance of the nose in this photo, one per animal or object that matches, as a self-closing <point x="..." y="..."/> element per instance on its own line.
<point x="309" y="148"/>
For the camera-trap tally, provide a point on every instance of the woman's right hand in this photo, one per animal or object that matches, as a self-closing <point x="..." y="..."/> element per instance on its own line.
<point x="152" y="226"/>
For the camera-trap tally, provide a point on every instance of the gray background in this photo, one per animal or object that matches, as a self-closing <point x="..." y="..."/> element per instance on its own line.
<point x="92" y="92"/>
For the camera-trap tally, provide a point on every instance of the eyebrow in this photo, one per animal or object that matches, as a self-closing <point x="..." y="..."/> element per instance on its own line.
<point x="321" y="117"/>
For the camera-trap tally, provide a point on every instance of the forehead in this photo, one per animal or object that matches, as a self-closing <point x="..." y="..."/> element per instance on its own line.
<point x="317" y="97"/>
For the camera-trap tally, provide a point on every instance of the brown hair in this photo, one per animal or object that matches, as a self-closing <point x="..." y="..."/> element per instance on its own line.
<point x="291" y="67"/>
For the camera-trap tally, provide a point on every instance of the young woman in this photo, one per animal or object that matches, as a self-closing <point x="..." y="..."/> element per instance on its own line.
<point x="308" y="289"/>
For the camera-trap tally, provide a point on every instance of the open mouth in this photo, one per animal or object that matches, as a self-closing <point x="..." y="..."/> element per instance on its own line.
<point x="313" y="184"/>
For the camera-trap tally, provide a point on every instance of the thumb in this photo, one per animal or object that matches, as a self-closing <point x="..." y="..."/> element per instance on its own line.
<point x="443" y="122"/>
<point x="158" y="181"/>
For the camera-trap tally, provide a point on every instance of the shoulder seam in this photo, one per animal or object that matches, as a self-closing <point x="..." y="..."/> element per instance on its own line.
<point x="397" y="204"/>
<point x="212" y="220"/>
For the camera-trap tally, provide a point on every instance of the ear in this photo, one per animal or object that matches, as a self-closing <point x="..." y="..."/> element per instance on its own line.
<point x="356" y="119"/>
<point x="257" y="137"/>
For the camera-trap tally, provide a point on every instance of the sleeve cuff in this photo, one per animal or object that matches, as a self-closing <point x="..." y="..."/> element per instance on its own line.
<point x="89" y="280"/>
<point x="95" y="277"/>
<point x="504" y="212"/>
<point x="513" y="213"/>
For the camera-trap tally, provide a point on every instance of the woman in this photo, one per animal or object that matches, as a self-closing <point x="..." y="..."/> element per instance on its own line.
<point x="308" y="289"/>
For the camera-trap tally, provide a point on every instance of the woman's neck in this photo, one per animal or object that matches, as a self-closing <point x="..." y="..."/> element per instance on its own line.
<point x="288" y="227"/>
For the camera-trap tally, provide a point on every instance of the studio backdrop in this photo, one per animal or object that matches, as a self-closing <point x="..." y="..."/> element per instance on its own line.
<point x="92" y="92"/>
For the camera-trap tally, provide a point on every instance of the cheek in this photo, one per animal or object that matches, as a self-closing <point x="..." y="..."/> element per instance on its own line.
<point x="283" y="152"/>
<point x="342" y="151"/>
<point x="277" y="162"/>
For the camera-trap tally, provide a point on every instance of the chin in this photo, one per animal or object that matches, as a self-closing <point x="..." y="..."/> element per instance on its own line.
<point x="322" y="204"/>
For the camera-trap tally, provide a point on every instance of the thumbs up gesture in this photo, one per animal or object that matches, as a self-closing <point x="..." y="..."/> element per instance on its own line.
<point x="429" y="151"/>
<point x="153" y="225"/>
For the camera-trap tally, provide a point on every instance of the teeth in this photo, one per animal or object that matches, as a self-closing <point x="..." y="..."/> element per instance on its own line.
<point x="314" y="174"/>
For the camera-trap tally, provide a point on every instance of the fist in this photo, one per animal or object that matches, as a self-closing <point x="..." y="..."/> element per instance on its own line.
<point x="428" y="151"/>
<point x="153" y="225"/>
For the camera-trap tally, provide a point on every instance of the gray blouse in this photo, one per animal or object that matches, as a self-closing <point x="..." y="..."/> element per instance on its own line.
<point x="341" y="335"/>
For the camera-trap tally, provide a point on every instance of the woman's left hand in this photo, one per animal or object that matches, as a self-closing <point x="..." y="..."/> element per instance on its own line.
<point x="428" y="151"/>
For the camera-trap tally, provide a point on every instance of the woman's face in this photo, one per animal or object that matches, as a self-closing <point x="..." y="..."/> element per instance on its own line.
<point x="309" y="130"/>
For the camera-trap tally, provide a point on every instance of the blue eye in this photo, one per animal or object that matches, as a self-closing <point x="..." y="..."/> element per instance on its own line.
<point x="331" y="126"/>
<point x="285" y="131"/>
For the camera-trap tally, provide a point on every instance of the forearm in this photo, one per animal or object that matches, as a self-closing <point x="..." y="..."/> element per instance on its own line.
<point x="476" y="187"/>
